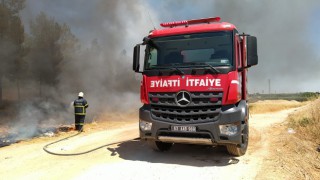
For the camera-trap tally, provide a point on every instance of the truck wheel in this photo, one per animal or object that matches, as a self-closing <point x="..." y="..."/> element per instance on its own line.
<point x="159" y="146"/>
<point x="241" y="149"/>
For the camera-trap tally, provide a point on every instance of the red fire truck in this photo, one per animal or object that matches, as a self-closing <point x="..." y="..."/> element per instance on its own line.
<point x="194" y="84"/>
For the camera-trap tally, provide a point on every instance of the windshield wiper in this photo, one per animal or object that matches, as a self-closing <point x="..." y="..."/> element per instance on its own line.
<point x="175" y="69"/>
<point x="213" y="69"/>
<point x="178" y="70"/>
<point x="202" y="64"/>
<point x="176" y="66"/>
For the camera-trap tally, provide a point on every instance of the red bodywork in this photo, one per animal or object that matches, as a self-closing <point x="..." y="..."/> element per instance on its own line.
<point x="232" y="83"/>
<point x="227" y="83"/>
<point x="223" y="26"/>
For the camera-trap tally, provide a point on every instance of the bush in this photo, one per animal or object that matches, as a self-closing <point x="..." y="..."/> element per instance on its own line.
<point x="304" y="122"/>
<point x="305" y="96"/>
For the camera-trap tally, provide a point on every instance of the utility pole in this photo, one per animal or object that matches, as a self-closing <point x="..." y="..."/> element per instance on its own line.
<point x="269" y="86"/>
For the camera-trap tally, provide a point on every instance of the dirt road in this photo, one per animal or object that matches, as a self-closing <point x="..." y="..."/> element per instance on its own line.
<point x="134" y="160"/>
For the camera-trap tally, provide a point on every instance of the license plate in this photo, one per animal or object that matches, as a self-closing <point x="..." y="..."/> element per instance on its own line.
<point x="183" y="128"/>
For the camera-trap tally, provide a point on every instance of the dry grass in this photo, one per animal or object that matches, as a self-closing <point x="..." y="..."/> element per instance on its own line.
<point x="111" y="120"/>
<point x="295" y="155"/>
<point x="298" y="151"/>
<point x="267" y="106"/>
<point x="307" y="122"/>
<point x="291" y="158"/>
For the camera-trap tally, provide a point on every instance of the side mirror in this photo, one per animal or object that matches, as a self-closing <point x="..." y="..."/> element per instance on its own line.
<point x="252" y="51"/>
<point x="136" y="58"/>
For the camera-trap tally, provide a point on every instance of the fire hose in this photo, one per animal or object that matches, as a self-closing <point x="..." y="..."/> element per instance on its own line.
<point x="79" y="153"/>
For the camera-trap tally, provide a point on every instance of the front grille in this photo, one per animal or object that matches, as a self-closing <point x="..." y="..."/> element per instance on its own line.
<point x="204" y="107"/>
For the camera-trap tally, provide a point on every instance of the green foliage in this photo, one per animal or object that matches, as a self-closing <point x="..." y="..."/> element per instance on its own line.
<point x="305" y="96"/>
<point x="11" y="37"/>
<point x="310" y="95"/>
<point x="37" y="56"/>
<point x="304" y="122"/>
<point x="14" y="6"/>
<point x="11" y="40"/>
<point x="46" y="42"/>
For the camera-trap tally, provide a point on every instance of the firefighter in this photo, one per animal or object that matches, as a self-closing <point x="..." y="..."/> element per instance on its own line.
<point x="80" y="106"/>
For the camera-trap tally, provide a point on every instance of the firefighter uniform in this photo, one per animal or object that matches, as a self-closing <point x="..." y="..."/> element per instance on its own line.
<point x="80" y="106"/>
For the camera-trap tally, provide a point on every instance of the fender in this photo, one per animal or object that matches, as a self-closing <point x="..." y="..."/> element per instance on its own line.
<point x="236" y="113"/>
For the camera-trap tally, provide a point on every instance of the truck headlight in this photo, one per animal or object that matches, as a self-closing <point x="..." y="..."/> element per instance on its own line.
<point x="145" y="126"/>
<point x="228" y="129"/>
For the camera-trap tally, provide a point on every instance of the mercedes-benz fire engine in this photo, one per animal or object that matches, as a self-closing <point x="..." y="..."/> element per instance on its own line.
<point x="194" y="84"/>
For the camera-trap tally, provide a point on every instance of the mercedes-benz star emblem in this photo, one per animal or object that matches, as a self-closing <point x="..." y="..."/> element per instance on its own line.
<point x="183" y="98"/>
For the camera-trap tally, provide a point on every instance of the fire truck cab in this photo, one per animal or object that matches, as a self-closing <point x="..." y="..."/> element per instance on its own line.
<point x="194" y="84"/>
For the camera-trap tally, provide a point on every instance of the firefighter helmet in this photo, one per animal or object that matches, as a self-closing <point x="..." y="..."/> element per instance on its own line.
<point x="81" y="94"/>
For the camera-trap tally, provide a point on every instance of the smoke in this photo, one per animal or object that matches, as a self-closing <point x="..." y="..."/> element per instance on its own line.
<point x="286" y="56"/>
<point x="7" y="55"/>
<point x="101" y="64"/>
<point x="103" y="69"/>
<point x="36" y="116"/>
<point x="285" y="32"/>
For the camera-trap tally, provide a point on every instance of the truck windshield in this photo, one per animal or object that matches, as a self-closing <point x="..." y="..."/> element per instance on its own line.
<point x="214" y="49"/>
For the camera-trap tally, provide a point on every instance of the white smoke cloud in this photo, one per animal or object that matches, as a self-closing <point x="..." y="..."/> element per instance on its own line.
<point x="287" y="53"/>
<point x="108" y="31"/>
<point x="101" y="68"/>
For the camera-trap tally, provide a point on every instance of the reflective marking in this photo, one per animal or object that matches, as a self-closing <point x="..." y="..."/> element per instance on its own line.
<point x="234" y="82"/>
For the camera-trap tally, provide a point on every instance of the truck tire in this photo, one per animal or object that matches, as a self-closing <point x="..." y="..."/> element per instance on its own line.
<point x="241" y="149"/>
<point x="159" y="146"/>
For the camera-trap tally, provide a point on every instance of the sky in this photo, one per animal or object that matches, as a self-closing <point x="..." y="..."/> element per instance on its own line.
<point x="287" y="31"/>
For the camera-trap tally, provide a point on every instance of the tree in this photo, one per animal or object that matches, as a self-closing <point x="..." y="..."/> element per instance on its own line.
<point x="18" y="71"/>
<point x="11" y="39"/>
<point x="48" y="39"/>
